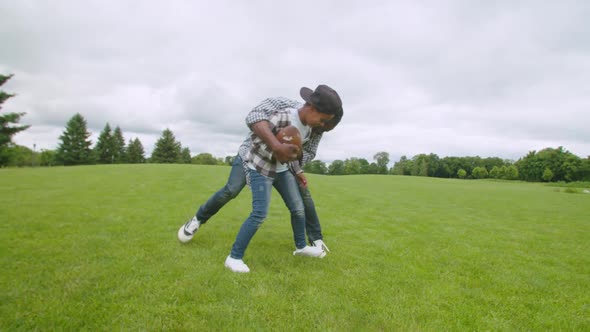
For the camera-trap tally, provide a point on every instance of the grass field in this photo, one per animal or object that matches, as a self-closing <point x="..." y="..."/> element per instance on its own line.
<point x="94" y="248"/>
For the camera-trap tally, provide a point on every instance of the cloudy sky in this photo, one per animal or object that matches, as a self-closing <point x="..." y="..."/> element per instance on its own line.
<point x="455" y="78"/>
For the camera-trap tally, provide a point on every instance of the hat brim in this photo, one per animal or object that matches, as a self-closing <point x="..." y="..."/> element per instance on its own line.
<point x="306" y="94"/>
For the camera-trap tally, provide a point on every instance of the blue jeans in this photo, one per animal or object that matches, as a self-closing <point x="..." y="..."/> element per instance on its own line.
<point x="261" y="187"/>
<point x="235" y="184"/>
<point x="312" y="222"/>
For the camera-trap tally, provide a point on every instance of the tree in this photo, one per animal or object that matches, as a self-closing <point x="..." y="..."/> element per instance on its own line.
<point x="204" y="159"/>
<point x="490" y="163"/>
<point x="382" y="159"/>
<point x="511" y="172"/>
<point x="316" y="167"/>
<point x="8" y="121"/>
<point x="103" y="151"/>
<point x="496" y="173"/>
<point x="554" y="160"/>
<point x="47" y="158"/>
<point x="373" y="168"/>
<point x="74" y="148"/>
<point x="420" y="165"/>
<point x="118" y="146"/>
<point x="135" y="153"/>
<point x="185" y="156"/>
<point x="365" y="167"/>
<point x="562" y="163"/>
<point x="336" y="168"/>
<point x="167" y="149"/>
<point x="479" y="173"/>
<point x="583" y="171"/>
<point x="452" y="165"/>
<point x="461" y="173"/>
<point x="402" y="167"/>
<point x="530" y="167"/>
<point x="18" y="156"/>
<point x="547" y="175"/>
<point x="352" y="166"/>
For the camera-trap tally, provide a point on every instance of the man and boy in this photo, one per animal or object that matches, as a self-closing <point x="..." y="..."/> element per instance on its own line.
<point x="264" y="162"/>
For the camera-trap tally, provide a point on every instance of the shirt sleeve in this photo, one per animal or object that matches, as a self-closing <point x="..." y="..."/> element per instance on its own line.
<point x="263" y="111"/>
<point x="295" y="167"/>
<point x="310" y="149"/>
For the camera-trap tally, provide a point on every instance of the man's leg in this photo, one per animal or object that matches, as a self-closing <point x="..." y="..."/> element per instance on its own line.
<point x="235" y="184"/>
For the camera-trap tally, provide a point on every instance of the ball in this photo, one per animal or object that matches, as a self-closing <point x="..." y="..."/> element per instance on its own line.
<point x="289" y="135"/>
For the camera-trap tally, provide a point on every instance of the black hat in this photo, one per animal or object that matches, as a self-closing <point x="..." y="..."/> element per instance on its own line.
<point x="324" y="99"/>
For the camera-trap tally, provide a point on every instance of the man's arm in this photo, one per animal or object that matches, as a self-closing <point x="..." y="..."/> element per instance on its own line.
<point x="282" y="152"/>
<point x="310" y="148"/>
<point x="263" y="110"/>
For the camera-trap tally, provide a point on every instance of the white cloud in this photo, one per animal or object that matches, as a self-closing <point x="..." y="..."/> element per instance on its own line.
<point x="451" y="77"/>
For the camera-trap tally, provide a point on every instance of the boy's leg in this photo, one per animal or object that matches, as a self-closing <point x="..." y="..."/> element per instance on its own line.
<point x="261" y="187"/>
<point x="287" y="186"/>
<point x="312" y="221"/>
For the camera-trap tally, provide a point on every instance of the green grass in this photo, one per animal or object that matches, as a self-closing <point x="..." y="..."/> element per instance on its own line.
<point x="94" y="248"/>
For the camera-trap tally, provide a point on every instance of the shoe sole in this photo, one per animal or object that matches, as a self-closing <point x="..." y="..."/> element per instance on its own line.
<point x="323" y="254"/>
<point x="236" y="271"/>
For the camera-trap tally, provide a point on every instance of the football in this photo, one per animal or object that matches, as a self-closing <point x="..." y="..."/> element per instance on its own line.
<point x="289" y="135"/>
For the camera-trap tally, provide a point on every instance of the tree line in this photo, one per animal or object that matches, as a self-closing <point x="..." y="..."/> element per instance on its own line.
<point x="75" y="148"/>
<point x="547" y="165"/>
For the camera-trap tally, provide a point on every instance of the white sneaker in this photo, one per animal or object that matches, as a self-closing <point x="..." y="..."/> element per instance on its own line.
<point x="310" y="252"/>
<point x="321" y="244"/>
<point x="188" y="230"/>
<point x="236" y="265"/>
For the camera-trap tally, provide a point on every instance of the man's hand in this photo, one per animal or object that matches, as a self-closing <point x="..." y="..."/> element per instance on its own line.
<point x="286" y="152"/>
<point x="302" y="180"/>
<point x="282" y="152"/>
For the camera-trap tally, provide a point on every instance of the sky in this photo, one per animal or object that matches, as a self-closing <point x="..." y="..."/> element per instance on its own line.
<point x="454" y="78"/>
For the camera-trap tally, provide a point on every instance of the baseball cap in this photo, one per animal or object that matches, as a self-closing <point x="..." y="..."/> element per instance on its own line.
<point x="325" y="99"/>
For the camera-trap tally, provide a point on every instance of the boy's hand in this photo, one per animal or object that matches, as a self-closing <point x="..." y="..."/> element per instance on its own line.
<point x="302" y="180"/>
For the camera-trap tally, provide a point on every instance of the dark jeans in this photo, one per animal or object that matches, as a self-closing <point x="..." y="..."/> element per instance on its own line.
<point x="235" y="184"/>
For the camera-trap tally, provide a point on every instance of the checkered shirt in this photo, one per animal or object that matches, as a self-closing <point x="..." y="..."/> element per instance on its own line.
<point x="260" y="154"/>
<point x="262" y="112"/>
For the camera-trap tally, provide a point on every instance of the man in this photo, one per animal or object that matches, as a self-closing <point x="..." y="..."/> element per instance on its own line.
<point x="265" y="168"/>
<point x="237" y="177"/>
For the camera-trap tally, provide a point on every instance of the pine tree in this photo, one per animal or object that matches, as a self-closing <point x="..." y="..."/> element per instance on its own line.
<point x="7" y="122"/>
<point x="167" y="149"/>
<point x="135" y="153"/>
<point x="118" y="145"/>
<point x="74" y="148"/>
<point x="103" y="151"/>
